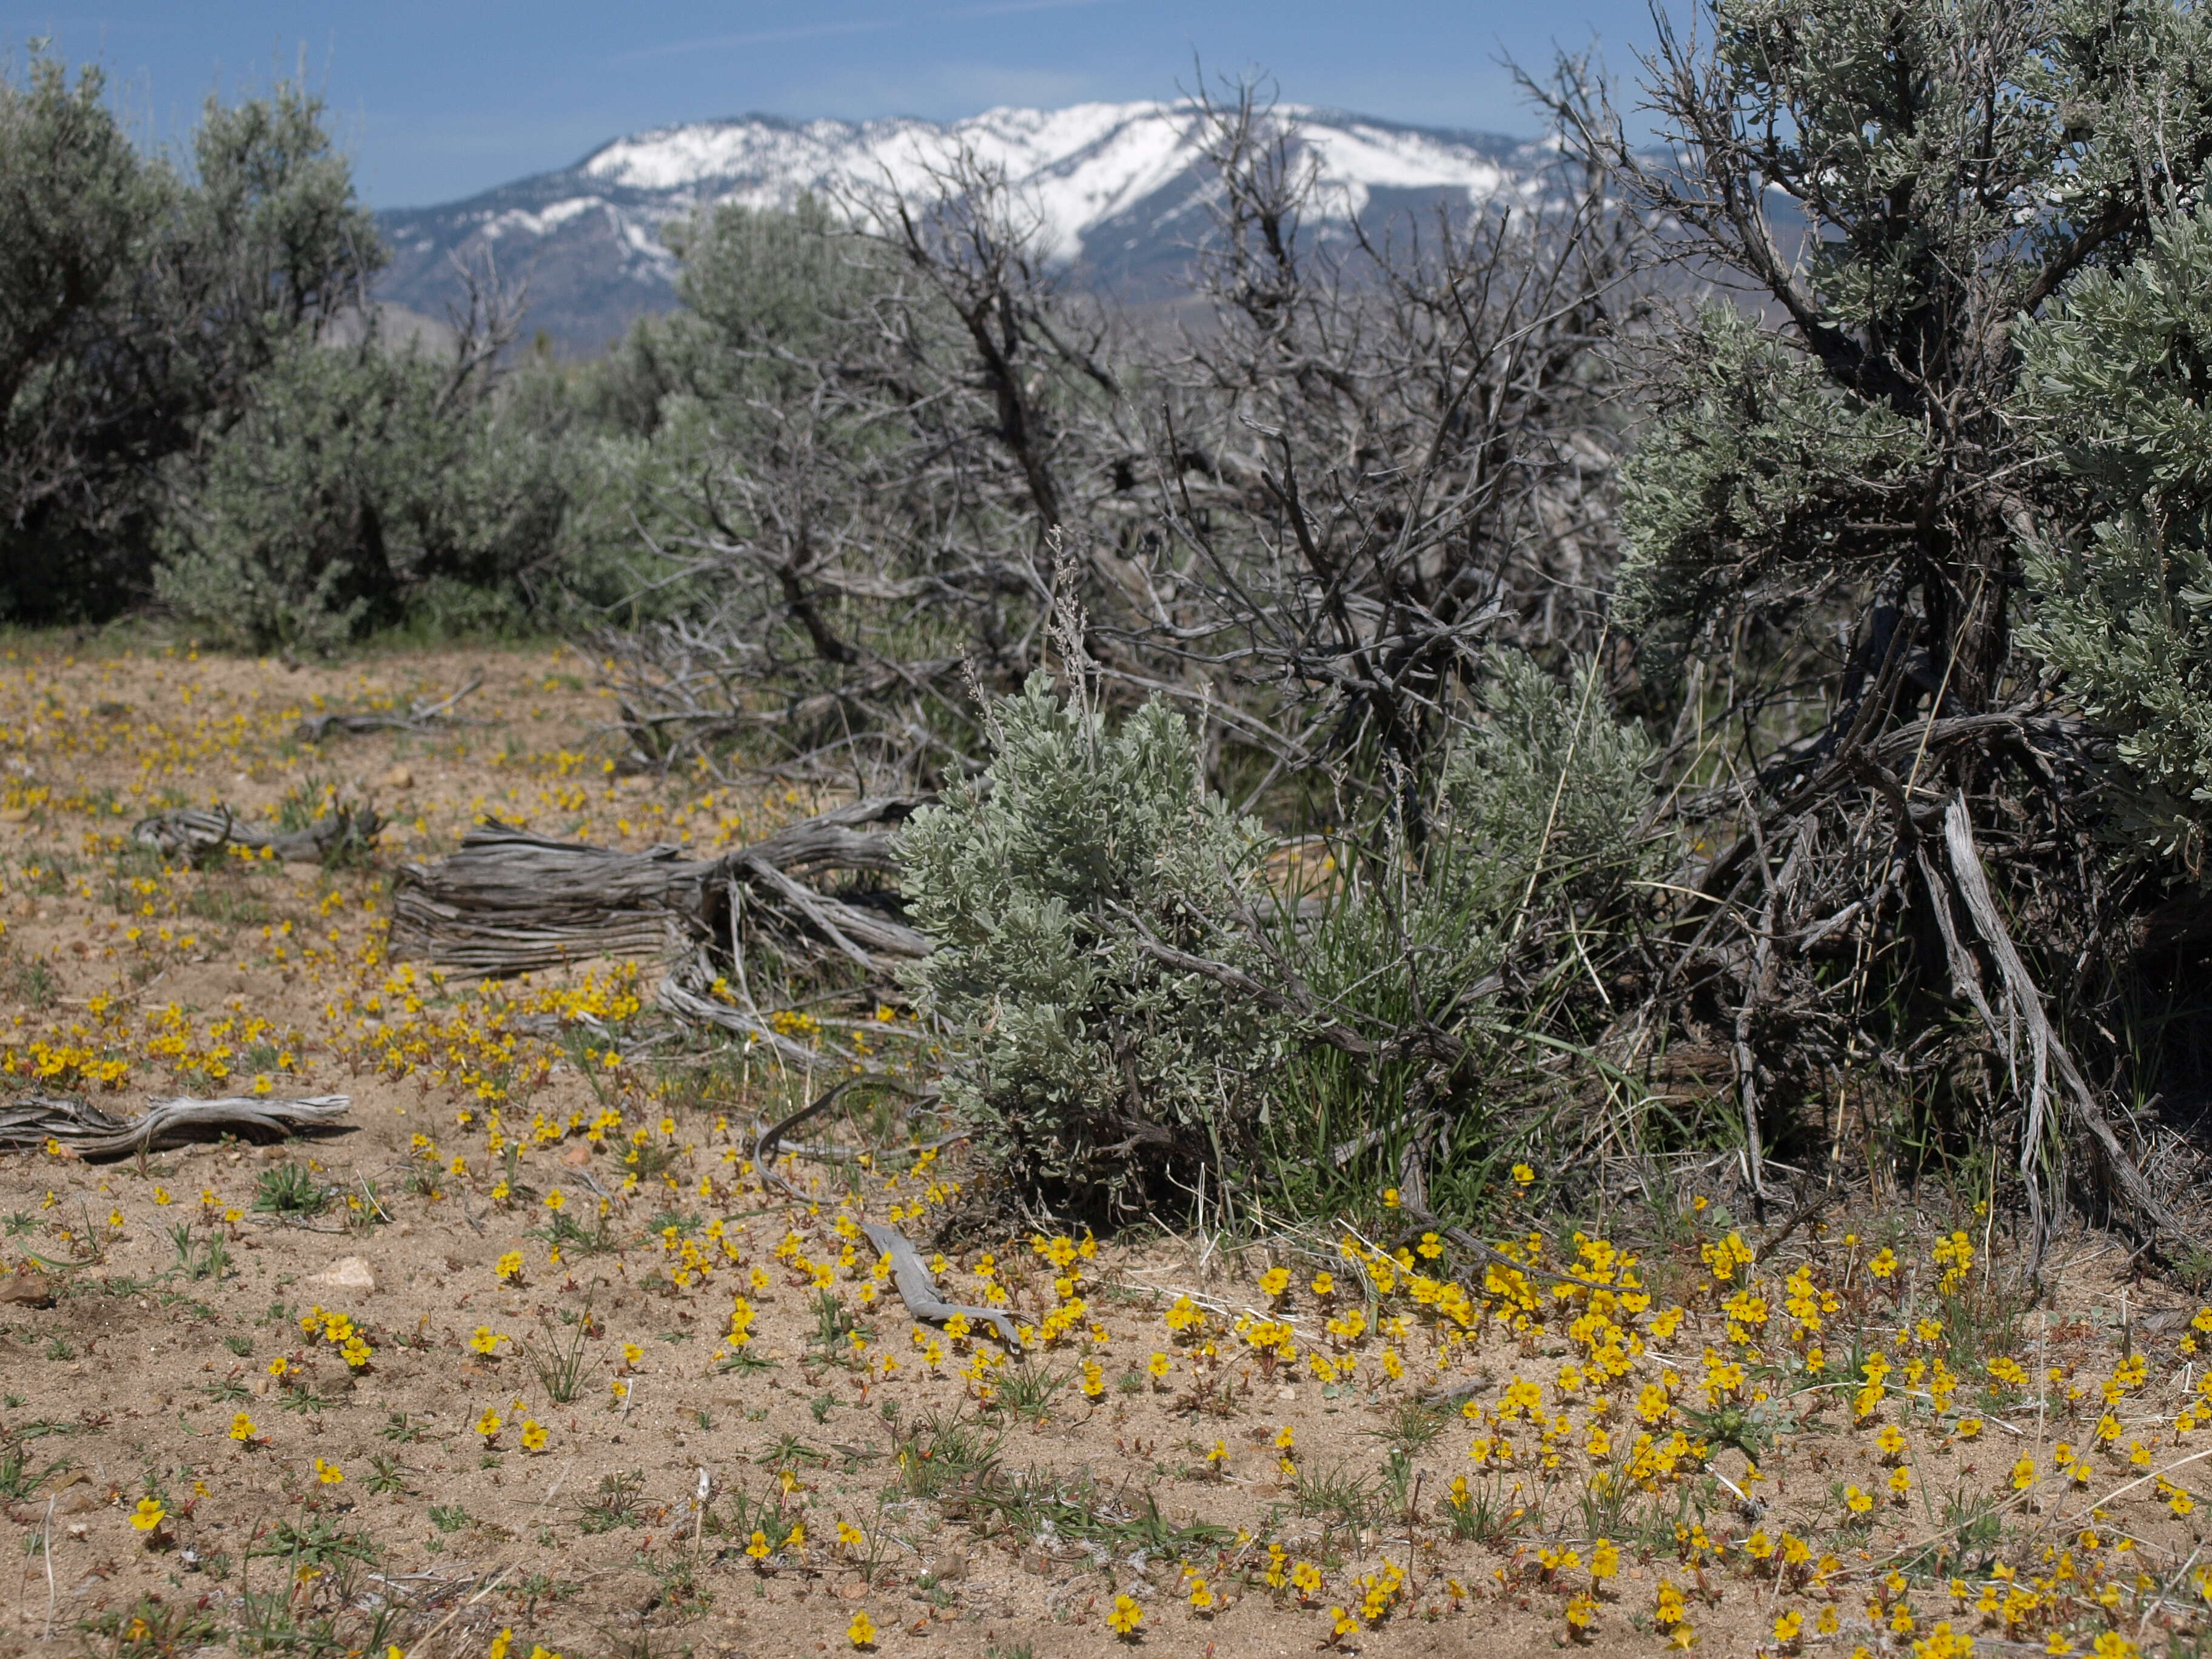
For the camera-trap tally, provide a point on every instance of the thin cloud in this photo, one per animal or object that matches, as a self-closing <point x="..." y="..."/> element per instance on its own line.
<point x="857" y="26"/>
<point x="1005" y="8"/>
<point x="760" y="37"/>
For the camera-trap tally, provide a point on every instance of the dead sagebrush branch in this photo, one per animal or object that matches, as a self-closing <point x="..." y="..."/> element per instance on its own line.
<point x="510" y="901"/>
<point x="421" y="715"/>
<point x="90" y="1131"/>
<point x="198" y="834"/>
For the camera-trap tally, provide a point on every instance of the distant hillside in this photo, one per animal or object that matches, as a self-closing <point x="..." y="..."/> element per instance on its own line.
<point x="1116" y="188"/>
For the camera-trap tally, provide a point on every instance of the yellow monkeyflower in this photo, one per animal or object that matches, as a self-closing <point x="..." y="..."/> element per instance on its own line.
<point x="533" y="1435"/>
<point x="330" y="1474"/>
<point x="241" y="1428"/>
<point x="1605" y="1560"/>
<point x="861" y="1633"/>
<point x="489" y="1424"/>
<point x="1126" y="1618"/>
<point x="148" y="1515"/>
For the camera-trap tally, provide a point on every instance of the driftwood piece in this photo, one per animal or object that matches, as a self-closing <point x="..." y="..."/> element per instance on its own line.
<point x="2048" y="1061"/>
<point x="510" y="901"/>
<point x="91" y="1131"/>
<point x="423" y="713"/>
<point x="766" y="1143"/>
<point x="683" y="992"/>
<point x="198" y="834"/>
<point x="513" y="902"/>
<point x="918" y="1289"/>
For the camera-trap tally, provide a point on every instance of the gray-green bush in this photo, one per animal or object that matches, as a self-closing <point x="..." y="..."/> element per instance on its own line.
<point x="2117" y="387"/>
<point x="139" y="303"/>
<point x="1542" y="828"/>
<point x="1068" y="889"/>
<point x="365" y="488"/>
<point x="1098" y="1074"/>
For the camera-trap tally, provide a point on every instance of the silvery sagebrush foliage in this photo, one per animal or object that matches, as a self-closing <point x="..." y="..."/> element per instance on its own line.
<point x="2119" y="384"/>
<point x="1548" y="798"/>
<point x="1448" y="955"/>
<point x="142" y="297"/>
<point x="1832" y="523"/>
<point x="1543" y="817"/>
<point x="1096" y="1074"/>
<point x="1838" y="477"/>
<point x="366" y="486"/>
<point x="1103" y="1076"/>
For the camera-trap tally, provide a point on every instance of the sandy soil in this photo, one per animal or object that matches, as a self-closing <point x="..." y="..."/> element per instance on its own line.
<point x="541" y="1211"/>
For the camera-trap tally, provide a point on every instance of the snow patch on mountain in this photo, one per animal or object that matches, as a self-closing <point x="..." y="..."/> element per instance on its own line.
<point x="1094" y="180"/>
<point x="1072" y="168"/>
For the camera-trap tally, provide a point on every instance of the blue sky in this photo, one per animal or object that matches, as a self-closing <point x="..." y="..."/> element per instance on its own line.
<point x="436" y="101"/>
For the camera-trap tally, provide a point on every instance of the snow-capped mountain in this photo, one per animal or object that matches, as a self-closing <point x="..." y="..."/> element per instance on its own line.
<point x="1113" y="189"/>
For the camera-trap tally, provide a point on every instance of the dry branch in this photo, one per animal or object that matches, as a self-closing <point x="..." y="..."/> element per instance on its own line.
<point x="918" y="1290"/>
<point x="198" y="834"/>
<point x="90" y="1131"/>
<point x="421" y="715"/>
<point x="510" y="901"/>
<point x="2047" y="1052"/>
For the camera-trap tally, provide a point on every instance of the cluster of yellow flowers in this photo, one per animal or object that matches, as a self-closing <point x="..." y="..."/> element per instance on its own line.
<point x="341" y="1333"/>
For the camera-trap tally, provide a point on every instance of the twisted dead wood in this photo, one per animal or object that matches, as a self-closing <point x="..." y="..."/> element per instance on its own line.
<point x="198" y="834"/>
<point x="421" y="715"/>
<point x="510" y="901"/>
<point x="91" y="1131"/>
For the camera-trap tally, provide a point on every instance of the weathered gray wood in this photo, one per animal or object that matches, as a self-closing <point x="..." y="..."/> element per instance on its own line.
<point x="510" y="901"/>
<point x="420" y="715"/>
<point x="917" y="1288"/>
<point x="198" y="834"/>
<point x="89" y="1130"/>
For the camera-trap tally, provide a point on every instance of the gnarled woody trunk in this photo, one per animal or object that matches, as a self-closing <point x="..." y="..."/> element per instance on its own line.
<point x="511" y="902"/>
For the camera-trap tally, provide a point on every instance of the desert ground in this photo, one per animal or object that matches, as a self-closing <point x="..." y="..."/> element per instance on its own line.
<point x="526" y="1358"/>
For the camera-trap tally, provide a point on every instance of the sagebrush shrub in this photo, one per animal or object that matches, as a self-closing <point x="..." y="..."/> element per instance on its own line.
<point x="362" y="490"/>
<point x="2124" y="607"/>
<point x="1542" y="824"/>
<point x="1096" y="1074"/>
<point x="1103" y="1077"/>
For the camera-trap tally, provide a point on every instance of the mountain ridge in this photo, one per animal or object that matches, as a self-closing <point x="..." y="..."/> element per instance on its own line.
<point x="1114" y="191"/>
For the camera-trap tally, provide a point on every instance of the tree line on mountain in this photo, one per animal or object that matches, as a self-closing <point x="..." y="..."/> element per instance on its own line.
<point x="1712" y="652"/>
